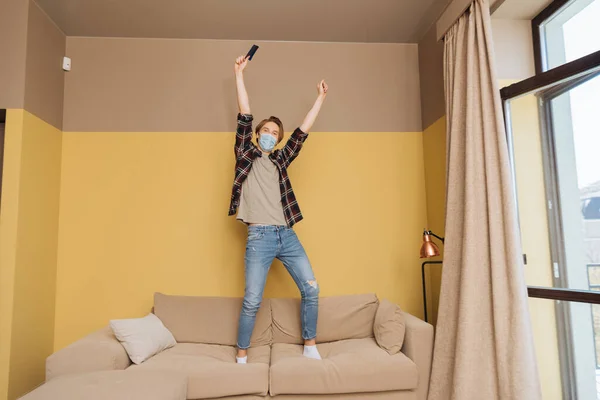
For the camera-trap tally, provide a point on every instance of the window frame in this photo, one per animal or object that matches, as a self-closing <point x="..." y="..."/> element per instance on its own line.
<point x="550" y="84"/>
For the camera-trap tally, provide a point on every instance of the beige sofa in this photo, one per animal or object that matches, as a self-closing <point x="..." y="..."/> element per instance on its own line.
<point x="354" y="366"/>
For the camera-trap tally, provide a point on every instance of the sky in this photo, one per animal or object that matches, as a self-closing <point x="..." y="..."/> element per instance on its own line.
<point x="582" y="37"/>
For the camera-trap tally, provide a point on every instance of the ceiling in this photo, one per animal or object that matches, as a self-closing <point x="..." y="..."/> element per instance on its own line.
<point x="520" y="9"/>
<point x="372" y="21"/>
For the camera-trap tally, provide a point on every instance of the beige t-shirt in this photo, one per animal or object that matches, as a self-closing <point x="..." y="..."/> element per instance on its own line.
<point x="260" y="201"/>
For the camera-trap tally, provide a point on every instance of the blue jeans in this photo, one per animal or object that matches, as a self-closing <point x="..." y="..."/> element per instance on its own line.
<point x="265" y="243"/>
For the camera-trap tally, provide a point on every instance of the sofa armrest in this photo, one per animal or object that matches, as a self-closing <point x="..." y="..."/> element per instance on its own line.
<point x="418" y="346"/>
<point x="98" y="351"/>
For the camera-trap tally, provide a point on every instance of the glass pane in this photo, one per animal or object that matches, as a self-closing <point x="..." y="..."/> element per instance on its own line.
<point x="572" y="33"/>
<point x="567" y="367"/>
<point x="594" y="277"/>
<point x="528" y="154"/>
<point x="576" y="142"/>
<point x="557" y="176"/>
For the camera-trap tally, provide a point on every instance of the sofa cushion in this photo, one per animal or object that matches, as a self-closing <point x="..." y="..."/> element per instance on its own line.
<point x="114" y="385"/>
<point x="395" y="395"/>
<point x="212" y="370"/>
<point x="389" y="327"/>
<point x="340" y="318"/>
<point x="348" y="366"/>
<point x="210" y="320"/>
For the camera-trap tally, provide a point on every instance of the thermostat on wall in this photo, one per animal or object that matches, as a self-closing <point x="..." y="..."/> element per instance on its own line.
<point x="66" y="64"/>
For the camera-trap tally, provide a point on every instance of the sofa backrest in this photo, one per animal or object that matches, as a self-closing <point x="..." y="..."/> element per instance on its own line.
<point x="210" y="320"/>
<point x="340" y="318"/>
<point x="214" y="320"/>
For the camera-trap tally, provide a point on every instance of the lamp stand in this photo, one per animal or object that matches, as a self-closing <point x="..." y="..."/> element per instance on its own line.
<point x="425" y="286"/>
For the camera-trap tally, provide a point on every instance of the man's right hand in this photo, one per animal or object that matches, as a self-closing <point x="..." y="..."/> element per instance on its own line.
<point x="242" y="95"/>
<point x="240" y="64"/>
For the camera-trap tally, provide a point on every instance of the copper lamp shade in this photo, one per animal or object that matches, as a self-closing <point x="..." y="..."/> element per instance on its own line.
<point x="428" y="248"/>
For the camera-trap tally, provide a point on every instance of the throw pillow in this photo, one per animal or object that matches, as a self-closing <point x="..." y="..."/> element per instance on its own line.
<point x="389" y="327"/>
<point x="142" y="337"/>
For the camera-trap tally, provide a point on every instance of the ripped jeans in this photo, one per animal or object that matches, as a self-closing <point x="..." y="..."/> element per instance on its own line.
<point x="265" y="243"/>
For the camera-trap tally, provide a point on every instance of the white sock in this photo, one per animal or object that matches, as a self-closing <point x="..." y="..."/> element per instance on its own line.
<point x="312" y="352"/>
<point x="241" y="360"/>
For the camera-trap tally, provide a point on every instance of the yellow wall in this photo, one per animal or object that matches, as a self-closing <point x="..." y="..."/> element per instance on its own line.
<point x="434" y="154"/>
<point x="146" y="212"/>
<point x="534" y="237"/>
<point x="8" y="238"/>
<point x="28" y="246"/>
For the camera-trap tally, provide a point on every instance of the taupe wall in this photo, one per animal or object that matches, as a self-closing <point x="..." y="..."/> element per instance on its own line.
<point x="13" y="44"/>
<point x="44" y="83"/>
<point x="513" y="46"/>
<point x="431" y="58"/>
<point x="31" y="75"/>
<point x="188" y="85"/>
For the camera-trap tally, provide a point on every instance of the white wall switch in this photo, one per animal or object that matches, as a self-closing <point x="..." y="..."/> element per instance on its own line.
<point x="66" y="64"/>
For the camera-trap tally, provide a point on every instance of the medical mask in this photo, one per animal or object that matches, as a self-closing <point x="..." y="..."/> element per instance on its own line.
<point x="267" y="142"/>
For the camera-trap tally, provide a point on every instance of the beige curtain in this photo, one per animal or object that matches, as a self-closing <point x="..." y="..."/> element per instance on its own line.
<point x="484" y="347"/>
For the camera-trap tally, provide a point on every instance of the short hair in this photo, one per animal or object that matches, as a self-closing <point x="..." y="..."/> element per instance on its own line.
<point x="276" y="121"/>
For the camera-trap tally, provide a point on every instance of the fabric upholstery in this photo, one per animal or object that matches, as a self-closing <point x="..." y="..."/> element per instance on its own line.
<point x="210" y="320"/>
<point x="96" y="352"/>
<point x="340" y="318"/>
<point x="389" y="327"/>
<point x="484" y="348"/>
<point x="394" y="395"/>
<point x="212" y="370"/>
<point x="348" y="366"/>
<point x="418" y="346"/>
<point x="353" y="368"/>
<point x="113" y="385"/>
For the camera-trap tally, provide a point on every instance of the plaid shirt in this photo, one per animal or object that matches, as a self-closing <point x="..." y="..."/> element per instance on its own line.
<point x="246" y="152"/>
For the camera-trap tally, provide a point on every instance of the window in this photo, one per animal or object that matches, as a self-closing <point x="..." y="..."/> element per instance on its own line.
<point x="554" y="141"/>
<point x="569" y="32"/>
